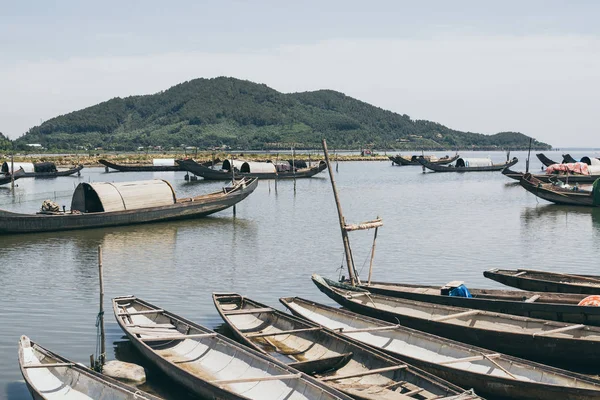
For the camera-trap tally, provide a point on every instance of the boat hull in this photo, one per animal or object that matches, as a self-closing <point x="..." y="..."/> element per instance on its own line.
<point x="483" y="384"/>
<point x="573" y="354"/>
<point x="548" y="192"/>
<point x="444" y="168"/>
<point x="540" y="285"/>
<point x="545" y="160"/>
<point x="25" y="223"/>
<point x="399" y="160"/>
<point x="502" y="301"/>
<point x="220" y="175"/>
<point x="140" y="168"/>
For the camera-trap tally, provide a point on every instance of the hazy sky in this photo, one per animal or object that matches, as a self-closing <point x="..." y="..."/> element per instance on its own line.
<point x="528" y="66"/>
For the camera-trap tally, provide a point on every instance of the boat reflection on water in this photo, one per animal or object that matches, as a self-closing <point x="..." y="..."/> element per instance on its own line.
<point x="557" y="213"/>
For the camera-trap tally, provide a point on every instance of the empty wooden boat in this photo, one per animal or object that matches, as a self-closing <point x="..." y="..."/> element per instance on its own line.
<point x="50" y="376"/>
<point x="351" y="367"/>
<point x="545" y="281"/>
<point x="261" y="170"/>
<point x="566" y="345"/>
<point x="209" y="364"/>
<point x="413" y="160"/>
<point x="545" y="160"/>
<point x="469" y="165"/>
<point x="497" y="375"/>
<point x="158" y="165"/>
<point x="561" y="193"/>
<point x="552" y="306"/>
<point x="102" y="204"/>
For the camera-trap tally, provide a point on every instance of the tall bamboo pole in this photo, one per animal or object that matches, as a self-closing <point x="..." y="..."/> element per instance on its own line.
<point x="345" y="239"/>
<point x="102" y="357"/>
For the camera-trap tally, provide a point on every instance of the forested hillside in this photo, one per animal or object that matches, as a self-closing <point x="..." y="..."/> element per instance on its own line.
<point x="4" y="142"/>
<point x="245" y="115"/>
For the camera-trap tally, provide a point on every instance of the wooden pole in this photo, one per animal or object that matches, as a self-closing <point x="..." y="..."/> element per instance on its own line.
<point x="102" y="357"/>
<point x="372" y="255"/>
<point x="294" y="167"/>
<point x="528" y="155"/>
<point x="345" y="238"/>
<point x="12" y="171"/>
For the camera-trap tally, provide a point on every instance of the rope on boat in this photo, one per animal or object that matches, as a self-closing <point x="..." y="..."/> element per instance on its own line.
<point x="99" y="361"/>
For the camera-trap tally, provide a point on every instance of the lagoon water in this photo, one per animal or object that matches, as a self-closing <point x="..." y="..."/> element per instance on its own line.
<point x="437" y="228"/>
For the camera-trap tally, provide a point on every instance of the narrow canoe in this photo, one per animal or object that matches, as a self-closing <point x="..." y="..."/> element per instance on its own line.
<point x="329" y="357"/>
<point x="451" y="168"/>
<point x="551" y="306"/>
<point x="50" y="376"/>
<point x="209" y="364"/>
<point x="148" y="168"/>
<point x="545" y="160"/>
<point x="491" y="374"/>
<point x="557" y="194"/>
<point x="413" y="160"/>
<point x="559" y="344"/>
<point x="544" y="281"/>
<point x="223" y="175"/>
<point x="185" y="208"/>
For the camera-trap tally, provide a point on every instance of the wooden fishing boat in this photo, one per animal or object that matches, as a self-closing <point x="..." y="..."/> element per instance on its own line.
<point x="50" y="376"/>
<point x="549" y="178"/>
<point x="39" y="170"/>
<point x="7" y="178"/>
<point x="413" y="160"/>
<point x="545" y="160"/>
<point x="209" y="364"/>
<point x="488" y="373"/>
<point x="562" y="307"/>
<point x="249" y="169"/>
<point x="556" y="343"/>
<point x="464" y="165"/>
<point x="157" y="167"/>
<point x="545" y="281"/>
<point x="348" y="366"/>
<point x="560" y="193"/>
<point x="103" y="204"/>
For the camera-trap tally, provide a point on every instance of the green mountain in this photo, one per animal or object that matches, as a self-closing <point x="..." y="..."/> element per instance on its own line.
<point x="242" y="114"/>
<point x="4" y="142"/>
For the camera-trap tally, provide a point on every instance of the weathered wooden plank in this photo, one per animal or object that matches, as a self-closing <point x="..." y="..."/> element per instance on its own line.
<point x="49" y="365"/>
<point x="559" y="330"/>
<point x="263" y="334"/>
<point x="364" y="373"/>
<point x="457" y="315"/>
<point x="257" y="379"/>
<point x="248" y="311"/>
<point x="379" y="328"/>
<point x="179" y="337"/>
<point x="126" y="314"/>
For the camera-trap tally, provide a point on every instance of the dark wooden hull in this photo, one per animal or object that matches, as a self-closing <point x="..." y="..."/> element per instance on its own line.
<point x="56" y="174"/>
<point x="443" y="168"/>
<point x="550" y="306"/>
<point x="399" y="160"/>
<point x="7" y="179"/>
<point x="545" y="160"/>
<point x="567" y="159"/>
<point x="578" y="355"/>
<point x="220" y="175"/>
<point x="541" y="283"/>
<point x="139" y="168"/>
<point x="356" y="351"/>
<point x="555" y="194"/>
<point x="545" y="178"/>
<point x="484" y="384"/>
<point x="201" y="206"/>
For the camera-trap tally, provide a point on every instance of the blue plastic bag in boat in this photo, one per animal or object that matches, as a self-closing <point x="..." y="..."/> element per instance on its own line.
<point x="460" y="291"/>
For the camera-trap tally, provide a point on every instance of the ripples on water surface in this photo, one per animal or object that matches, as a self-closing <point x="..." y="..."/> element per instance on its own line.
<point x="437" y="228"/>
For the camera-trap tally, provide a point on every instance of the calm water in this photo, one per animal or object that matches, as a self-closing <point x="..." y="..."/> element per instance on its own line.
<point x="438" y="228"/>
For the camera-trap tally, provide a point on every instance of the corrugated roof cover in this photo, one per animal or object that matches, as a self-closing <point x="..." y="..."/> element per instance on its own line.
<point x="473" y="162"/>
<point x="163" y="162"/>
<point x="258" y="167"/>
<point x="119" y="196"/>
<point x="27" y="167"/>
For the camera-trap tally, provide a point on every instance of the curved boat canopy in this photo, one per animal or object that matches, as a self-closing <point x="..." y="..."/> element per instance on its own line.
<point x="474" y="162"/>
<point x="27" y="167"/>
<point x="590" y="160"/>
<point x="258" y="167"/>
<point x="120" y="196"/>
<point x="236" y="164"/>
<point x="163" y="162"/>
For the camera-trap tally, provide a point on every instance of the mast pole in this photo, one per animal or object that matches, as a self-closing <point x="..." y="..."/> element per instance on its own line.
<point x="528" y="155"/>
<point x="102" y="357"/>
<point x="372" y="255"/>
<point x="345" y="239"/>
